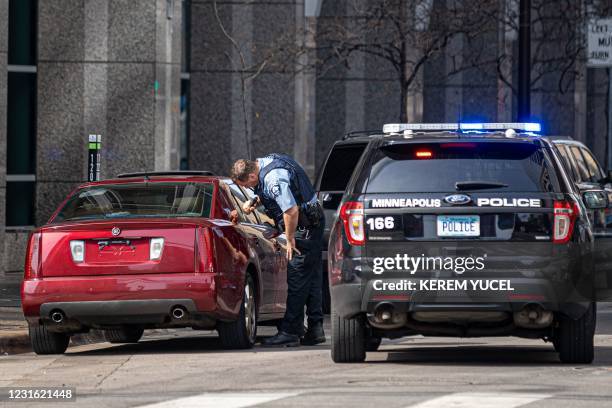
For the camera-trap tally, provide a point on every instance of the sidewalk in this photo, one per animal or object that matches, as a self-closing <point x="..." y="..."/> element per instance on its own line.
<point x="13" y="327"/>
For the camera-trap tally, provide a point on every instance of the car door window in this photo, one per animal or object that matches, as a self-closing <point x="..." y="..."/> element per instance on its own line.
<point x="339" y="167"/>
<point x="241" y="199"/>
<point x="595" y="171"/>
<point x="567" y="162"/>
<point x="229" y="203"/>
<point x="583" y="171"/>
<point x="260" y="210"/>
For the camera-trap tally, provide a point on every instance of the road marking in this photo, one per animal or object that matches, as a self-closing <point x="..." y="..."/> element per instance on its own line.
<point x="216" y="400"/>
<point x="481" y="400"/>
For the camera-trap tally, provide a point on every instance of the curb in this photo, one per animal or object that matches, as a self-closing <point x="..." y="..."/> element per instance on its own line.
<point x="19" y="343"/>
<point x="15" y="344"/>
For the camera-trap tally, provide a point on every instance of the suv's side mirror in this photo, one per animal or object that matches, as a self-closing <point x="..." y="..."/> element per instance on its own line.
<point x="595" y="199"/>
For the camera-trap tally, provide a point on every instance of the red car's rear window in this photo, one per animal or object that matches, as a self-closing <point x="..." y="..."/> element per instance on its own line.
<point x="137" y="200"/>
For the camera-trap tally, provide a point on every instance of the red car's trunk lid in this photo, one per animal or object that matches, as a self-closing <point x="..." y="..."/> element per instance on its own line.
<point x="119" y="248"/>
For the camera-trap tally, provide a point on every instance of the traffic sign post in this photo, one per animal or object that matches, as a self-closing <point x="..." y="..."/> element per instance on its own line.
<point x="93" y="163"/>
<point x="600" y="56"/>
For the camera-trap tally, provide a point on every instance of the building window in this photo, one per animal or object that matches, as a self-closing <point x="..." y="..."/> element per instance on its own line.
<point x="21" y="114"/>
<point x="185" y="61"/>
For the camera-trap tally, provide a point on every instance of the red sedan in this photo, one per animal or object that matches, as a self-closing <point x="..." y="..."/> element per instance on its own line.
<point x="149" y="251"/>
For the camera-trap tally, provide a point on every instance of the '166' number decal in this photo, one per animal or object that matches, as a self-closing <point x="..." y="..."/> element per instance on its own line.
<point x="381" y="223"/>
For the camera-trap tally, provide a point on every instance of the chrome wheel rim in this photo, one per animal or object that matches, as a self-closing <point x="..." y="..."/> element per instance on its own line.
<point x="250" y="318"/>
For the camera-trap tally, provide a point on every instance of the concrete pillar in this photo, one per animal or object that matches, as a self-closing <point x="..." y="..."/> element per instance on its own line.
<point x="217" y="120"/>
<point x="109" y="67"/>
<point x="3" y="87"/>
<point x="305" y="92"/>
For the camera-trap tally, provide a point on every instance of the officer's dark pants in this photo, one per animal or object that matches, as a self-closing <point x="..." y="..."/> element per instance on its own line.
<point x="304" y="281"/>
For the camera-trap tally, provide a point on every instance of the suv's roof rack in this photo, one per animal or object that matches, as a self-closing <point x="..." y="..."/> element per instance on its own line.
<point x="168" y="173"/>
<point x="360" y="133"/>
<point x="396" y="128"/>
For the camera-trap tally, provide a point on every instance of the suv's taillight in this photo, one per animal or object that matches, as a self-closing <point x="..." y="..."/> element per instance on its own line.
<point x="205" y="261"/>
<point x="351" y="214"/>
<point x="33" y="262"/>
<point x="566" y="213"/>
<point x="335" y="258"/>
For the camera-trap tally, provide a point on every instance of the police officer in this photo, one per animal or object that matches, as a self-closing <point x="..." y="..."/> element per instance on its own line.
<point x="288" y="197"/>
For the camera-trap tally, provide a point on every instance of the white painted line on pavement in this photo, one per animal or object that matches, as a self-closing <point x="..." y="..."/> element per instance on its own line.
<point x="217" y="400"/>
<point x="482" y="400"/>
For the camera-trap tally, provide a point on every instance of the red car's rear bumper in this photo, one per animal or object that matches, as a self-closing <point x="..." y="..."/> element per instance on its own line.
<point x="107" y="297"/>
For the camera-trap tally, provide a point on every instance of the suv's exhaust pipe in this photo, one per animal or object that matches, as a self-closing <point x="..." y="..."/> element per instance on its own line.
<point x="178" y="312"/>
<point x="386" y="317"/>
<point x="533" y="316"/>
<point x="57" y="316"/>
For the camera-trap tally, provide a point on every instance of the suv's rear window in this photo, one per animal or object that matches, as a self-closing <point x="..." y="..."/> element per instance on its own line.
<point x="113" y="201"/>
<point x="436" y="167"/>
<point x="339" y="167"/>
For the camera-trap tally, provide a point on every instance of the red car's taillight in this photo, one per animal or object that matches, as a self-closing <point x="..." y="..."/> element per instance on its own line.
<point x="351" y="214"/>
<point x="205" y="261"/>
<point x="33" y="261"/>
<point x="565" y="215"/>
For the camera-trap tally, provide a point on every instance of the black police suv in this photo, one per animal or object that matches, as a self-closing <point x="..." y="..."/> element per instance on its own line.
<point x="331" y="181"/>
<point x="470" y="230"/>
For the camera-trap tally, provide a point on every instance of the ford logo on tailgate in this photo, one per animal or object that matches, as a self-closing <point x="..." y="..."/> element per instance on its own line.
<point x="457" y="199"/>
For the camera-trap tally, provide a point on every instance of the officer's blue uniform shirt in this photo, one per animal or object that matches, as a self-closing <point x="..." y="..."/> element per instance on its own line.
<point x="276" y="184"/>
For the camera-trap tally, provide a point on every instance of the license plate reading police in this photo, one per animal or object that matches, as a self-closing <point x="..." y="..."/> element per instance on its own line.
<point x="458" y="225"/>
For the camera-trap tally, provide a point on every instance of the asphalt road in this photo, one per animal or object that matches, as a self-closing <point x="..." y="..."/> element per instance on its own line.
<point x="186" y="368"/>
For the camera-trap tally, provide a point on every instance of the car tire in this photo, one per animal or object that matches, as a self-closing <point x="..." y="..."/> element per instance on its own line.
<point x="126" y="334"/>
<point x="348" y="339"/>
<point x="45" y="342"/>
<point x="241" y="334"/>
<point x="574" y="338"/>
<point x="373" y="343"/>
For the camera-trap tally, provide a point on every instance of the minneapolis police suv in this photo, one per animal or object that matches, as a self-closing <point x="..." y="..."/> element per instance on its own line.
<point x="469" y="230"/>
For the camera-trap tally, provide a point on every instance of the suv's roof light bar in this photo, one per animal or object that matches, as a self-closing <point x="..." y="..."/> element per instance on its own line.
<point x="520" y="126"/>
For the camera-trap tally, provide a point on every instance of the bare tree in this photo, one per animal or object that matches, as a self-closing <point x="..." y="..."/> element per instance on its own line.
<point x="246" y="71"/>
<point x="558" y="41"/>
<point x="403" y="33"/>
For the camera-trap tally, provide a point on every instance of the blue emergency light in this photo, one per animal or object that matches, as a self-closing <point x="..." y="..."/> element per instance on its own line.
<point x="517" y="126"/>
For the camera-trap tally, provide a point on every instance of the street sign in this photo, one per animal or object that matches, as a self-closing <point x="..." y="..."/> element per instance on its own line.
<point x="600" y="56"/>
<point x="93" y="163"/>
<point x="600" y="43"/>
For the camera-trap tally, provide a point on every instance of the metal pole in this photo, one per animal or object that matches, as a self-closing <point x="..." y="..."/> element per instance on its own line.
<point x="524" y="64"/>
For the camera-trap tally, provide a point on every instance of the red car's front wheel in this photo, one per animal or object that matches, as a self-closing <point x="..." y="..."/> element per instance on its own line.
<point x="241" y="334"/>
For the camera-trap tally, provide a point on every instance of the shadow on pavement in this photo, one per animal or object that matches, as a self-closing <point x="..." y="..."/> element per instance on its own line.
<point x="182" y="345"/>
<point x="544" y="355"/>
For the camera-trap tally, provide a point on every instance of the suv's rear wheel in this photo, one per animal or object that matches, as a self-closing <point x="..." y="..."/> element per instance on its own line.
<point x="348" y="339"/>
<point x="574" y="338"/>
<point x="241" y="333"/>
<point x="126" y="334"/>
<point x="46" y="342"/>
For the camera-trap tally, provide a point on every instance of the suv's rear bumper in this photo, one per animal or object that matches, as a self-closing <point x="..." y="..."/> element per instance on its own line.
<point x="349" y="300"/>
<point x="126" y="299"/>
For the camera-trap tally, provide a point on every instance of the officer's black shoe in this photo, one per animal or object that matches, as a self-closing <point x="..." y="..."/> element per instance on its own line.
<point x="314" y="335"/>
<point x="282" y="339"/>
